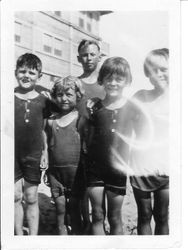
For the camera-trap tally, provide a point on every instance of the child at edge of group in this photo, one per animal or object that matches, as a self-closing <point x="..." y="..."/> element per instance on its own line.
<point x="150" y="164"/>
<point x="107" y="152"/>
<point x="64" y="147"/>
<point x="31" y="109"/>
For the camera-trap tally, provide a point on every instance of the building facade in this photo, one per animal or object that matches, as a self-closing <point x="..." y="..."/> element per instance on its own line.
<point x="54" y="37"/>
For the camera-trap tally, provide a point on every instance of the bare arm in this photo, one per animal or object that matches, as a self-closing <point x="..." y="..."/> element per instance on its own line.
<point x="44" y="157"/>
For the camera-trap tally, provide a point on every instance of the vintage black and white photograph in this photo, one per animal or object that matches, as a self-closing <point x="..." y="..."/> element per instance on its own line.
<point x="91" y="126"/>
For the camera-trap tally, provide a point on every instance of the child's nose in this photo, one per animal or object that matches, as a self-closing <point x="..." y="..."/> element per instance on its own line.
<point x="63" y="97"/>
<point x="159" y="72"/>
<point x="89" y="57"/>
<point x="113" y="82"/>
<point x="26" y="74"/>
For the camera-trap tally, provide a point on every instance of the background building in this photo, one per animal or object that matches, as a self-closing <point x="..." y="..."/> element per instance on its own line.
<point x="54" y="36"/>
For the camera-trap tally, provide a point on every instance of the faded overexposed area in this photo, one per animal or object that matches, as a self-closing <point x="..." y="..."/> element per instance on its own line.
<point x="132" y="35"/>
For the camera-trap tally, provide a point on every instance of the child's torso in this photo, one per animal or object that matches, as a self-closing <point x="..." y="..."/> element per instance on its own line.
<point x="29" y="119"/>
<point x="64" y="144"/>
<point x="93" y="90"/>
<point x="153" y="157"/>
<point x="111" y="127"/>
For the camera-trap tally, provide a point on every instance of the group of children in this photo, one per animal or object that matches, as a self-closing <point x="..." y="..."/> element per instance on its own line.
<point x="89" y="139"/>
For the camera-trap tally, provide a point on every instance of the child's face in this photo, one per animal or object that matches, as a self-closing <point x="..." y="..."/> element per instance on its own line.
<point x="159" y="72"/>
<point x="27" y="77"/>
<point x="114" y="85"/>
<point x="66" y="99"/>
<point x="89" y="57"/>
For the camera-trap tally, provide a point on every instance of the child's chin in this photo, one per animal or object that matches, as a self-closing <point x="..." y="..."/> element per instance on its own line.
<point x="65" y="109"/>
<point x="27" y="88"/>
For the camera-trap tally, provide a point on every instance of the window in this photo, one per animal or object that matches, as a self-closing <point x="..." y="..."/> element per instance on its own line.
<point x="57" y="13"/>
<point x="89" y="27"/>
<point x="57" y="47"/>
<point x="47" y="44"/>
<point x="81" y="22"/>
<point x="17" y="35"/>
<point x="52" y="45"/>
<point x="90" y="14"/>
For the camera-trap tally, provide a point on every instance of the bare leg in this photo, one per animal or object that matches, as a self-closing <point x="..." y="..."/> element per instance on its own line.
<point x="161" y="204"/>
<point x="96" y="198"/>
<point x="115" y="202"/>
<point x="85" y="213"/>
<point x="32" y="208"/>
<point x="18" y="208"/>
<point x="144" y="208"/>
<point x="60" y="209"/>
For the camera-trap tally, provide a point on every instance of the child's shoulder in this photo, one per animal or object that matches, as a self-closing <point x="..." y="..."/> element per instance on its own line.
<point x="97" y="103"/>
<point x="53" y="117"/>
<point x="142" y="95"/>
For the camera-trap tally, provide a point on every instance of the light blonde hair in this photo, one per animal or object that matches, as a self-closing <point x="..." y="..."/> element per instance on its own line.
<point x="66" y="83"/>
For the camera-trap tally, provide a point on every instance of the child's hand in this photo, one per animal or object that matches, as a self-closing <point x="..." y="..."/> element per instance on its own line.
<point x="90" y="103"/>
<point x="56" y="185"/>
<point x="45" y="179"/>
<point x="46" y="94"/>
<point x="44" y="160"/>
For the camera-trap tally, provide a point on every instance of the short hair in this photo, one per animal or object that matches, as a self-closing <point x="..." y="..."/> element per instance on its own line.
<point x="164" y="52"/>
<point x="85" y="43"/>
<point x="112" y="66"/>
<point x="30" y="60"/>
<point x="69" y="82"/>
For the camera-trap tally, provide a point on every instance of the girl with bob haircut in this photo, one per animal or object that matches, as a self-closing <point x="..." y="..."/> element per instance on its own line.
<point x="107" y="152"/>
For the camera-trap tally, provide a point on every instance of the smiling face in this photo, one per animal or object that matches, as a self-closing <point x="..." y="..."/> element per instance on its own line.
<point x="89" y="57"/>
<point x="158" y="72"/>
<point x="66" y="99"/>
<point x="114" y="86"/>
<point x="27" y="77"/>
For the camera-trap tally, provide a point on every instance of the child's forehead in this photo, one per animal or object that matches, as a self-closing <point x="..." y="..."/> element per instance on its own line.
<point x="116" y="75"/>
<point x="26" y="67"/>
<point x="156" y="61"/>
<point x="64" y="89"/>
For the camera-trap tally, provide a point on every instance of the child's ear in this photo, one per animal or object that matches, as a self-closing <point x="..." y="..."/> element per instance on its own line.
<point x="40" y="75"/>
<point x="78" y="58"/>
<point x="100" y="57"/>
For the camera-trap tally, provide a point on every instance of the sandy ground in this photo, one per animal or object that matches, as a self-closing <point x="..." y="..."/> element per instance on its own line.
<point x="48" y="217"/>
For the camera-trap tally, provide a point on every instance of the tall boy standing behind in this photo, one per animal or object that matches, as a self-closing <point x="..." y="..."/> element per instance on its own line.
<point x="89" y="56"/>
<point x="30" y="154"/>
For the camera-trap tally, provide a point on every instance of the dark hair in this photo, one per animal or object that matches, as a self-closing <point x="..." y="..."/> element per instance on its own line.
<point x="85" y="43"/>
<point x="30" y="60"/>
<point x="164" y="52"/>
<point x="66" y="83"/>
<point x="114" y="65"/>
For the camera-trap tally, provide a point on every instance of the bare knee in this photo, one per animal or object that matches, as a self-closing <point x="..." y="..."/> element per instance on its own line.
<point x="145" y="216"/>
<point x="160" y="218"/>
<point x="114" y="217"/>
<point x="18" y="196"/>
<point x="31" y="199"/>
<point x="60" y="205"/>
<point x="97" y="215"/>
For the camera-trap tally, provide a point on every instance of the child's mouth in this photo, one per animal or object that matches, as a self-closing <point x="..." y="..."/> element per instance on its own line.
<point x="25" y="80"/>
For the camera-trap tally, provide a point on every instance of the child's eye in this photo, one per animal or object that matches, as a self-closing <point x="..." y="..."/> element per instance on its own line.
<point x="32" y="73"/>
<point x="164" y="70"/>
<point x="120" y="79"/>
<point x="22" y="71"/>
